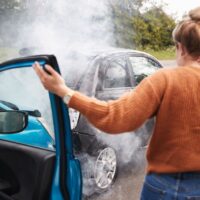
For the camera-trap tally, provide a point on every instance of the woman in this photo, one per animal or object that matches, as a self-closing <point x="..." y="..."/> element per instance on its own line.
<point x="173" y="96"/>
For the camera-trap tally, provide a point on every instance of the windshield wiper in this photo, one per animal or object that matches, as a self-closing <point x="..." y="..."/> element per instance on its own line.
<point x="34" y="113"/>
<point x="10" y="105"/>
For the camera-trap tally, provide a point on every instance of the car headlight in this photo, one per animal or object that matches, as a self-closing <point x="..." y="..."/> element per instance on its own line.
<point x="74" y="116"/>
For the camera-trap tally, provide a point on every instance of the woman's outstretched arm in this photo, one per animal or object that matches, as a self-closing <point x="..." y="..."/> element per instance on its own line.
<point x="124" y="114"/>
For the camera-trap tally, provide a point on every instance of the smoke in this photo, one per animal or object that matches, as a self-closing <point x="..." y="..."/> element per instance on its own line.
<point x="127" y="144"/>
<point x="70" y="30"/>
<point x="66" y="26"/>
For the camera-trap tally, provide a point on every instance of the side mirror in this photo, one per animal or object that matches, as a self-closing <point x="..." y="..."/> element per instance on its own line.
<point x="13" y="121"/>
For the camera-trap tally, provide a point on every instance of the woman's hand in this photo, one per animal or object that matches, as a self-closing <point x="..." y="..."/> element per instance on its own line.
<point x="52" y="80"/>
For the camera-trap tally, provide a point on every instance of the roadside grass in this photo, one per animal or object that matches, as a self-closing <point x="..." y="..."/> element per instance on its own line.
<point x="8" y="53"/>
<point x="167" y="54"/>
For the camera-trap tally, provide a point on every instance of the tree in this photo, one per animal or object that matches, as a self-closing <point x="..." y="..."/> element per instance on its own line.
<point x="153" y="29"/>
<point x="15" y="13"/>
<point x="122" y="12"/>
<point x="136" y="28"/>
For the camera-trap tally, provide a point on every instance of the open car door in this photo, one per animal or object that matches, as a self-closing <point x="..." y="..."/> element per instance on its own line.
<point x="36" y="163"/>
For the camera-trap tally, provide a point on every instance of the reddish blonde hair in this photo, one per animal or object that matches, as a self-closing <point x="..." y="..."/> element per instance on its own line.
<point x="187" y="32"/>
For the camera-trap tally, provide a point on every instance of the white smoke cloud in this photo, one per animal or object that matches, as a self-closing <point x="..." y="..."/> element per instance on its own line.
<point x="63" y="26"/>
<point x="68" y="28"/>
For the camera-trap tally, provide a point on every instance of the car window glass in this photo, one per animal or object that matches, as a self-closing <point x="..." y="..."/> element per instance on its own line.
<point x="142" y="67"/>
<point x="21" y="89"/>
<point x="116" y="75"/>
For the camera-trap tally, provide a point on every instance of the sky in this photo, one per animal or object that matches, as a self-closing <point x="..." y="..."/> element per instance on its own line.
<point x="178" y="7"/>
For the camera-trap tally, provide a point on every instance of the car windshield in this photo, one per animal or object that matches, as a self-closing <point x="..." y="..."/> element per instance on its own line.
<point x="21" y="89"/>
<point x="8" y="104"/>
<point x="143" y="65"/>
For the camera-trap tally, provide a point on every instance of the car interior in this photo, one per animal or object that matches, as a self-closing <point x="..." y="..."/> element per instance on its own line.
<point x="28" y="172"/>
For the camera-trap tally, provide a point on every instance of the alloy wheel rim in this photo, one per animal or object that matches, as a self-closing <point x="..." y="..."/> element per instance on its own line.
<point x="105" y="168"/>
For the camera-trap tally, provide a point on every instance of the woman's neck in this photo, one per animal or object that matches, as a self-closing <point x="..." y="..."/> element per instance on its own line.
<point x="190" y="61"/>
<point x="193" y="64"/>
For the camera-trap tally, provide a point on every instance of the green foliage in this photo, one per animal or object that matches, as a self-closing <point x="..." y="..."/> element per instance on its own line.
<point x="122" y="12"/>
<point x="164" y="54"/>
<point x="135" y="29"/>
<point x="153" y="29"/>
<point x="12" y="18"/>
<point x="122" y="28"/>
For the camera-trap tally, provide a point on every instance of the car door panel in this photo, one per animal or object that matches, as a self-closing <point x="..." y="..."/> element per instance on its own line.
<point x="27" y="171"/>
<point x="40" y="173"/>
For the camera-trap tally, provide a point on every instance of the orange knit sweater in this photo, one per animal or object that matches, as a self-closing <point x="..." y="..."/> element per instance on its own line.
<point x="173" y="96"/>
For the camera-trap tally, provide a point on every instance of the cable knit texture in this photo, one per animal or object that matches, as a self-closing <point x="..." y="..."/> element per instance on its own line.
<point x="173" y="96"/>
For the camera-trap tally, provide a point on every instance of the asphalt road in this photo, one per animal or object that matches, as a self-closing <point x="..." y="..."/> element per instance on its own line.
<point x="168" y="63"/>
<point x="129" y="181"/>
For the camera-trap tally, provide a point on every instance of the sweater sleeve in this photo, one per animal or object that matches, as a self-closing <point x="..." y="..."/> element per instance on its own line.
<point x="124" y="114"/>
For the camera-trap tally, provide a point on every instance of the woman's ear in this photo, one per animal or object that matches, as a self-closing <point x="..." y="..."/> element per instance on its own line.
<point x="182" y="49"/>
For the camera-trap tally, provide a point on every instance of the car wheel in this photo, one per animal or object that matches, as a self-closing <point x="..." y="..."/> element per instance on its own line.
<point x="99" y="171"/>
<point x="105" y="168"/>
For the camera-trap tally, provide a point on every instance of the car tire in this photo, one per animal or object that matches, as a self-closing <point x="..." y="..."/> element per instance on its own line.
<point x="103" y="174"/>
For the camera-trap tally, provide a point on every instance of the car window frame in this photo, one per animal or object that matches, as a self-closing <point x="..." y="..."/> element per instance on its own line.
<point x="105" y="68"/>
<point x="139" y="55"/>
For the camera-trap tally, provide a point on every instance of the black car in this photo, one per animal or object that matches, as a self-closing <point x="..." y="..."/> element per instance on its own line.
<point x="108" y="75"/>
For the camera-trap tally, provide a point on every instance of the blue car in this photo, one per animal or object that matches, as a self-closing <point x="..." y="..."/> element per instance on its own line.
<point x="36" y="151"/>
